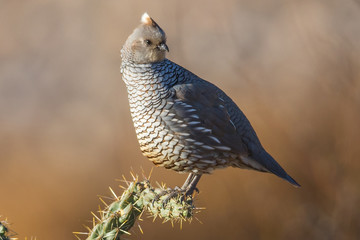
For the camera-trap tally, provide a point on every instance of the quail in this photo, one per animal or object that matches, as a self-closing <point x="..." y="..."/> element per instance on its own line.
<point x="183" y="122"/>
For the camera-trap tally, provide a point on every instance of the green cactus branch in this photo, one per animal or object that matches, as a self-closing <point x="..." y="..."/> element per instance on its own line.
<point x="7" y="234"/>
<point x="119" y="217"/>
<point x="4" y="232"/>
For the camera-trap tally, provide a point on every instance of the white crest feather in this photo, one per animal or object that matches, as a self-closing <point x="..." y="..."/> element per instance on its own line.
<point x="146" y="19"/>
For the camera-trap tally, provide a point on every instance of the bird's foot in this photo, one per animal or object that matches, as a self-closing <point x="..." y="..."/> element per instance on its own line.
<point x="190" y="191"/>
<point x="172" y="193"/>
<point x="176" y="192"/>
<point x="160" y="194"/>
<point x="169" y="193"/>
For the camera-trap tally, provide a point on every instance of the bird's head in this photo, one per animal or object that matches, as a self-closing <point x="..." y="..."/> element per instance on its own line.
<point x="147" y="43"/>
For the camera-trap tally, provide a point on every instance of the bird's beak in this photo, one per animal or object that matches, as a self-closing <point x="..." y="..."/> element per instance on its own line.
<point x="163" y="47"/>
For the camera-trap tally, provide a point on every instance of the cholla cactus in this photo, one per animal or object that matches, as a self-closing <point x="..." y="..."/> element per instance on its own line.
<point x="118" y="217"/>
<point x="8" y="234"/>
<point x="3" y="232"/>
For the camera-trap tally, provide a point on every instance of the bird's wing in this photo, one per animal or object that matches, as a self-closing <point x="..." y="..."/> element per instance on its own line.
<point x="217" y="122"/>
<point x="205" y="117"/>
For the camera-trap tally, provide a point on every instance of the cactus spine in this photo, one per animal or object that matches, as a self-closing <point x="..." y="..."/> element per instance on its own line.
<point x="119" y="216"/>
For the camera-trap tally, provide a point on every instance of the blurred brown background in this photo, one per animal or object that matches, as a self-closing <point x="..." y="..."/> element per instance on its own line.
<point x="66" y="133"/>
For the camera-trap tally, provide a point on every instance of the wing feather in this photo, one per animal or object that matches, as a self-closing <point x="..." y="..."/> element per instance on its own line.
<point x="206" y="116"/>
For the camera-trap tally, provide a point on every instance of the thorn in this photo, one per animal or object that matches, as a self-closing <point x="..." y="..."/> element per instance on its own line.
<point x="77" y="237"/>
<point x="152" y="168"/>
<point x="181" y="223"/>
<point x="123" y="181"/>
<point x="136" y="207"/>
<point x="106" y="197"/>
<point x="126" y="232"/>
<point x="143" y="172"/>
<point x="95" y="217"/>
<point x="142" y="232"/>
<point x="101" y="212"/>
<point x="80" y="233"/>
<point x="126" y="181"/>
<point x="116" y="197"/>
<point x="87" y="228"/>
<point x="141" y="216"/>
<point x="198" y="220"/>
<point x="123" y="225"/>
<point x="122" y="195"/>
<point x="124" y="222"/>
<point x="200" y="208"/>
<point x="103" y="203"/>
<point x="116" y="235"/>
<point x="134" y="178"/>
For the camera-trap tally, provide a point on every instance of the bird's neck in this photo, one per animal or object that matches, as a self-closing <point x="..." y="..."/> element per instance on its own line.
<point x="147" y="84"/>
<point x="159" y="73"/>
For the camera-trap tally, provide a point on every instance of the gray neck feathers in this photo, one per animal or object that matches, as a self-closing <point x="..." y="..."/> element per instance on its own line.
<point x="164" y="74"/>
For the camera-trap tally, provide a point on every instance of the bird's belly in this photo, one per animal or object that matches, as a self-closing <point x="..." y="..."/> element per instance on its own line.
<point x="164" y="146"/>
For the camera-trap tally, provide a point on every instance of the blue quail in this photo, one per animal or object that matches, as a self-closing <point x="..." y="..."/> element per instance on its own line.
<point x="183" y="122"/>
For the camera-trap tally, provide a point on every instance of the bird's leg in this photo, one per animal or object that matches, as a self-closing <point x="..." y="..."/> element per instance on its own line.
<point x="175" y="191"/>
<point x="169" y="193"/>
<point x="188" y="181"/>
<point x="190" y="187"/>
<point x="187" y="189"/>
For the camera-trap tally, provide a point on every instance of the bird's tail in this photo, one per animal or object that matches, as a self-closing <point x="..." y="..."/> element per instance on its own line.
<point x="269" y="163"/>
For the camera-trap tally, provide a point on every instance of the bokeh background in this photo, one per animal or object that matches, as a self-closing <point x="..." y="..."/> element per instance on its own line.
<point x="66" y="134"/>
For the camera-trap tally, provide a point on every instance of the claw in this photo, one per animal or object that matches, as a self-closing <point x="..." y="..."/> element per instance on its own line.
<point x="190" y="191"/>
<point x="172" y="194"/>
<point x="159" y="195"/>
<point x="184" y="192"/>
<point x="169" y="193"/>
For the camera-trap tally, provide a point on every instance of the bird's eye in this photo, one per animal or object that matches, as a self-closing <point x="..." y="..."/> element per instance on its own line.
<point x="148" y="42"/>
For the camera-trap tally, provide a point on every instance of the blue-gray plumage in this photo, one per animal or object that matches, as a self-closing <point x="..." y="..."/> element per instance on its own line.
<point x="183" y="122"/>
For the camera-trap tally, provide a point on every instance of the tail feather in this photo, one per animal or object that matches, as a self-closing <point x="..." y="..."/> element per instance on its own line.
<point x="269" y="163"/>
<point x="292" y="181"/>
